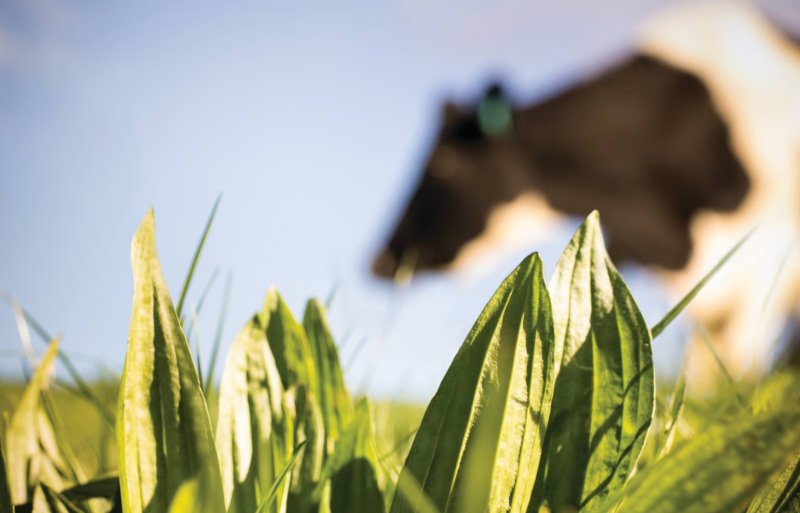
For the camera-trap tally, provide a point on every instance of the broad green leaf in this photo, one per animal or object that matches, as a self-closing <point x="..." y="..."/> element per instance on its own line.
<point x="717" y="471"/>
<point x="353" y="471"/>
<point x="34" y="454"/>
<point x="164" y="435"/>
<point x="289" y="344"/>
<point x="254" y="431"/>
<point x="334" y="400"/>
<point x="47" y="500"/>
<point x="480" y="441"/>
<point x="5" y="492"/>
<point x="604" y="395"/>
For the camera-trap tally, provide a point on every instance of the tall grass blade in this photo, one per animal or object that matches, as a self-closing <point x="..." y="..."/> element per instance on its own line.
<point x="164" y="435"/>
<point x="190" y="273"/>
<point x="676" y="407"/>
<point x="254" y="429"/>
<point x="604" y="395"/>
<point x="281" y="479"/>
<point x="309" y="430"/>
<point x="480" y="441"/>
<point x="82" y="387"/>
<point x="334" y="400"/>
<point x="718" y="471"/>
<point x="353" y="471"/>
<point x="34" y="455"/>
<point x="212" y="363"/>
<point x="661" y="325"/>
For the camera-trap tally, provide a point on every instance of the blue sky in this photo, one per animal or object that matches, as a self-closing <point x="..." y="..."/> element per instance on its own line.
<point x="311" y="118"/>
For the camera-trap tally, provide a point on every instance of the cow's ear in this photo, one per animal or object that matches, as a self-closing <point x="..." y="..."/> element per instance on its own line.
<point x="451" y="113"/>
<point x="494" y="112"/>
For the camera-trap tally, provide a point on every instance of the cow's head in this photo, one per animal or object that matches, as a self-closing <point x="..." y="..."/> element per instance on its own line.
<point x="469" y="171"/>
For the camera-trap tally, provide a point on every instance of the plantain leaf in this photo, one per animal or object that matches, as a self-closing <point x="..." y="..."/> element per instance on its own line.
<point x="34" y="455"/>
<point x="783" y="494"/>
<point x="310" y="431"/>
<point x="334" y="400"/>
<point x="254" y="429"/>
<point x="353" y="471"/>
<point x="289" y="344"/>
<point x="480" y="441"/>
<point x="604" y="395"/>
<point x="717" y="471"/>
<point x="164" y="435"/>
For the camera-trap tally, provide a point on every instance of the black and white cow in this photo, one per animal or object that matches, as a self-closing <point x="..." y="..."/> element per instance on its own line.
<point x="683" y="147"/>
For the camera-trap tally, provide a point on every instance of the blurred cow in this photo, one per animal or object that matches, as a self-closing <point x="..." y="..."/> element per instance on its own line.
<point x="683" y="147"/>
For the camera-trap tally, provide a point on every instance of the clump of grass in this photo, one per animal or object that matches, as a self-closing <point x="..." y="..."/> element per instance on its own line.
<point x="549" y="405"/>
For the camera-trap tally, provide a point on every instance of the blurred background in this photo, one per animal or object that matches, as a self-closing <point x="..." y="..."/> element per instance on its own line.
<point x="312" y="119"/>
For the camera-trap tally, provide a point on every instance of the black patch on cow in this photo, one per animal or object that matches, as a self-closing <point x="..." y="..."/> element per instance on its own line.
<point x="642" y="143"/>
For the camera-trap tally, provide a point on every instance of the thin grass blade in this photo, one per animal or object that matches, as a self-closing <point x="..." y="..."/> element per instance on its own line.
<point x="190" y="273"/>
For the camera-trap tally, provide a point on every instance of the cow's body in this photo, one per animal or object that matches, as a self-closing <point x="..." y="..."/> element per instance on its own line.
<point x="682" y="148"/>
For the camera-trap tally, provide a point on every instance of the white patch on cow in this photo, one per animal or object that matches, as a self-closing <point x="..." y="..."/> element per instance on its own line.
<point x="520" y="223"/>
<point x="753" y="74"/>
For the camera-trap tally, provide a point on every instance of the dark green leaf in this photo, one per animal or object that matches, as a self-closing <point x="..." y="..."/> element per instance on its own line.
<point x="603" y="402"/>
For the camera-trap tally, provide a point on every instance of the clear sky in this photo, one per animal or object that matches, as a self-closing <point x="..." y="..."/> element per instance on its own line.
<point x="311" y="118"/>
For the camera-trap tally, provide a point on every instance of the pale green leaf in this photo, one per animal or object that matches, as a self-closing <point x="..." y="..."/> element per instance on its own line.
<point x="164" y="435"/>
<point x="34" y="454"/>
<point x="480" y="441"/>
<point x="198" y="495"/>
<point x="254" y="432"/>
<point x="603" y="402"/>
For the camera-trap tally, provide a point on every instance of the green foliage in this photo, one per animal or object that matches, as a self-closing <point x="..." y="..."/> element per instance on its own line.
<point x="480" y="441"/>
<point x="35" y="455"/>
<point x="254" y="431"/>
<point x="545" y="407"/>
<point x="603" y="401"/>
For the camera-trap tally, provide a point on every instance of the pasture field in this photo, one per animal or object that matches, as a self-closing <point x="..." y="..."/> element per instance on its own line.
<point x="550" y="405"/>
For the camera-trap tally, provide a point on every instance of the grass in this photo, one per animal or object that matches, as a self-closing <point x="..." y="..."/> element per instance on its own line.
<point x="550" y="405"/>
